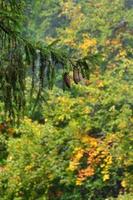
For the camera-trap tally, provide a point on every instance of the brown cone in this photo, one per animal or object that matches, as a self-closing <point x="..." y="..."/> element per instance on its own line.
<point x="66" y="79"/>
<point x="76" y="76"/>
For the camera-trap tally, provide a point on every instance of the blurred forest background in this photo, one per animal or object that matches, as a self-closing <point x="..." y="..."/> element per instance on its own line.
<point x="66" y="99"/>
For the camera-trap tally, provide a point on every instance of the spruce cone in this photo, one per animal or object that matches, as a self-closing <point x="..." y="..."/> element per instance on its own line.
<point x="76" y="75"/>
<point x="66" y="79"/>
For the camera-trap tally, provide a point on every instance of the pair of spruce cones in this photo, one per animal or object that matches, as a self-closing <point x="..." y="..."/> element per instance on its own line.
<point x="76" y="77"/>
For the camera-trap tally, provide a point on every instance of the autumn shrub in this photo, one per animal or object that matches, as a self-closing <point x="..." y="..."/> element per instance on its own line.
<point x="83" y="150"/>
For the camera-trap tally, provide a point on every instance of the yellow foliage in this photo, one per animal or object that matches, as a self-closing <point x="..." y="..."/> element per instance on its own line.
<point x="89" y="140"/>
<point x="97" y="155"/>
<point x="87" y="44"/>
<point x="113" y="42"/>
<point x="122" y="124"/>
<point x="100" y="84"/>
<point x="28" y="168"/>
<point x="79" y="181"/>
<point x="123" y="183"/>
<point x="86" y="110"/>
<point x="78" y="154"/>
<point x="89" y="171"/>
<point x="35" y="127"/>
<point x="106" y="177"/>
<point x="122" y="53"/>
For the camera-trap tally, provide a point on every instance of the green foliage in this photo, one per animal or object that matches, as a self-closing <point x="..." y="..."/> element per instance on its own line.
<point x="124" y="197"/>
<point x="44" y="160"/>
<point x="3" y="148"/>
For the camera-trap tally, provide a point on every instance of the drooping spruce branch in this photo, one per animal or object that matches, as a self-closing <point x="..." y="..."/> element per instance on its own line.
<point x="19" y="55"/>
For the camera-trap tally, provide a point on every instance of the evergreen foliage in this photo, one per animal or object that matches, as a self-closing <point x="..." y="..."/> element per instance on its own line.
<point x="17" y="53"/>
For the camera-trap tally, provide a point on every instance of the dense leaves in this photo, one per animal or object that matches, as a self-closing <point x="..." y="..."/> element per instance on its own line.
<point x="83" y="151"/>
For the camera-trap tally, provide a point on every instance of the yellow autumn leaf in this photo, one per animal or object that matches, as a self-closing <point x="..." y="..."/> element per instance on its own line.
<point x="106" y="177"/>
<point x="123" y="183"/>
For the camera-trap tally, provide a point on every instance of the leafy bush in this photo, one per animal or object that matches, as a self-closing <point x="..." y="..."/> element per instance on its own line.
<point x="84" y="149"/>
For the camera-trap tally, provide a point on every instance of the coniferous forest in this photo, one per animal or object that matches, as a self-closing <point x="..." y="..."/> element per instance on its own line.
<point x="66" y="99"/>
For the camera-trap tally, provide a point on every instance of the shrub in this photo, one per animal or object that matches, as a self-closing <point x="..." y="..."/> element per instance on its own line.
<point x="84" y="149"/>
